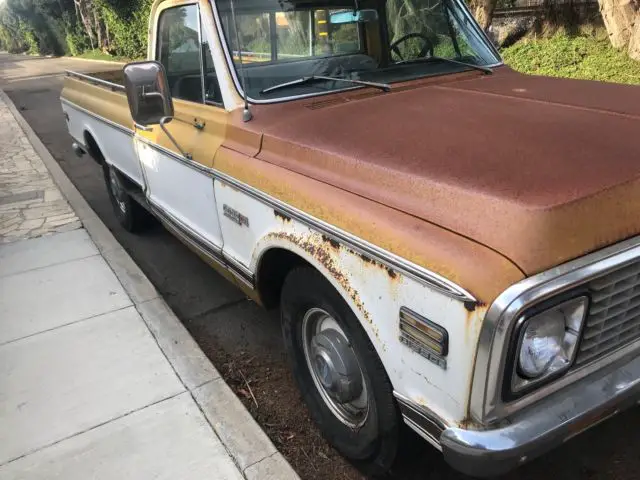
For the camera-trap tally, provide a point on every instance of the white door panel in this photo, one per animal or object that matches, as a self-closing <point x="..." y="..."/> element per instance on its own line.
<point x="182" y="191"/>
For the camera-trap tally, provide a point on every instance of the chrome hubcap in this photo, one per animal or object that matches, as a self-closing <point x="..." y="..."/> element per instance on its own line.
<point x="117" y="190"/>
<point x="335" y="368"/>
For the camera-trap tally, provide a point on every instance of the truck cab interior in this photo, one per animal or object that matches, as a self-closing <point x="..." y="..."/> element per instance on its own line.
<point x="373" y="40"/>
<point x="270" y="43"/>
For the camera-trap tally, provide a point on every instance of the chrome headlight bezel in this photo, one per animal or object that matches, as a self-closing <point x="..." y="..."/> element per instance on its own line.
<point x="516" y="385"/>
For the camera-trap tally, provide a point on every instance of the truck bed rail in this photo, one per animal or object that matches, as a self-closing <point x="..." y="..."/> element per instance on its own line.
<point x="96" y="81"/>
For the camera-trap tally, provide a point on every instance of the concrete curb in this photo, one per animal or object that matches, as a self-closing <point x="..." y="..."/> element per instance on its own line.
<point x="251" y="449"/>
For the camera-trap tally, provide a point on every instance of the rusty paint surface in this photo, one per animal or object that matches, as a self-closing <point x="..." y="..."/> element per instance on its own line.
<point x="537" y="203"/>
<point x="478" y="269"/>
<point x="323" y="250"/>
<point x="282" y="216"/>
<point x="334" y="243"/>
<point x="470" y="158"/>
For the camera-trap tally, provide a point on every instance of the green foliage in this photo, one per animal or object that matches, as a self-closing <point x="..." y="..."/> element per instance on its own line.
<point x="32" y="42"/>
<point x="34" y="26"/>
<point x="581" y="56"/>
<point x="77" y="42"/>
<point x="128" y="26"/>
<point x="53" y="27"/>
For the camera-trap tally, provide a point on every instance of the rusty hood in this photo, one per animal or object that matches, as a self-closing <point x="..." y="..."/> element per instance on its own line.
<point x="541" y="170"/>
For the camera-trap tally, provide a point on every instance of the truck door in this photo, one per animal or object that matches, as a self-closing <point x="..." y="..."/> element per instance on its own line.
<point x="178" y="177"/>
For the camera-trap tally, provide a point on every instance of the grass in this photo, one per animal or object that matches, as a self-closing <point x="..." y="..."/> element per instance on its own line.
<point x="99" y="55"/>
<point x="584" y="56"/>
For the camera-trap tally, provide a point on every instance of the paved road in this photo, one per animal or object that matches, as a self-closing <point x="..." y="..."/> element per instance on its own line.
<point x="219" y="317"/>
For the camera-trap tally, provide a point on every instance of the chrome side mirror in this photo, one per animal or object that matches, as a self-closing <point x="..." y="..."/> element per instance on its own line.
<point x="148" y="93"/>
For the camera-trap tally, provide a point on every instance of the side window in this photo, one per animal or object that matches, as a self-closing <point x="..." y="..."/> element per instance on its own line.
<point x="184" y="54"/>
<point x="212" y="92"/>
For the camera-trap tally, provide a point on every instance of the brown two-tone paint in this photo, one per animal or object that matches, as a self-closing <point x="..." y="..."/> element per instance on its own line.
<point x="475" y="178"/>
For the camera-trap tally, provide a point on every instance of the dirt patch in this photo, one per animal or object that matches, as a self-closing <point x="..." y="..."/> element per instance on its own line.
<point x="266" y="388"/>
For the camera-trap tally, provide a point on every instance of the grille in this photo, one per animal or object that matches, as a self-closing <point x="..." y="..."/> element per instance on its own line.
<point x="614" y="314"/>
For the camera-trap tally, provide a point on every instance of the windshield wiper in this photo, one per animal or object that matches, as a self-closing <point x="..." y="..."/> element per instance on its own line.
<point x="382" y="86"/>
<point x="486" y="70"/>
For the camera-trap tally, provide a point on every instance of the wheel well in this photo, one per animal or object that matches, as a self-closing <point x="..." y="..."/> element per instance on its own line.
<point x="274" y="267"/>
<point x="92" y="147"/>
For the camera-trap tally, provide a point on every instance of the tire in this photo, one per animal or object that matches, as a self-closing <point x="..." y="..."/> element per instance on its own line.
<point x="130" y="214"/>
<point x="369" y="441"/>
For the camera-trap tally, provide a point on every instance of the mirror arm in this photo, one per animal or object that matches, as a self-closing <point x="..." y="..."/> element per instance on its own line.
<point x="143" y="128"/>
<point x="163" y="122"/>
<point x="196" y="124"/>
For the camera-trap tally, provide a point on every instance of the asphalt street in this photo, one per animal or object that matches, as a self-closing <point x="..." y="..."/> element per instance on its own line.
<point x="219" y="316"/>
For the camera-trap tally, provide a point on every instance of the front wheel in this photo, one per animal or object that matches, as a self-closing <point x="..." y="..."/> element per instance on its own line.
<point x="339" y="374"/>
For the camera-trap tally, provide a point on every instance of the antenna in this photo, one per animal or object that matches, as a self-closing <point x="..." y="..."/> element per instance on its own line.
<point x="246" y="113"/>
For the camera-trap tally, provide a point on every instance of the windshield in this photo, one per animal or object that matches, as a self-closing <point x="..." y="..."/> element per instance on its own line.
<point x="281" y="41"/>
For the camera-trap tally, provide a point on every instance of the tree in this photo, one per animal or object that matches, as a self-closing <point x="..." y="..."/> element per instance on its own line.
<point x="634" y="41"/>
<point x="117" y="27"/>
<point x="483" y="11"/>
<point x="622" y="21"/>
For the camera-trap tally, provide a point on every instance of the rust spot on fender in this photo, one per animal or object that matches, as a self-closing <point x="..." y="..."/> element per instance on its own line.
<point x="471" y="306"/>
<point x="315" y="245"/>
<point x="334" y="243"/>
<point x="365" y="258"/>
<point x="393" y="275"/>
<point x="475" y="312"/>
<point x="282" y="216"/>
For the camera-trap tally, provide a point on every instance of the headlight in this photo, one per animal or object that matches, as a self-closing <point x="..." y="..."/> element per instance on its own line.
<point x="548" y="342"/>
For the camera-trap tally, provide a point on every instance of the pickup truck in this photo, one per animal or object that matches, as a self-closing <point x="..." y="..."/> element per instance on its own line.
<point x="452" y="245"/>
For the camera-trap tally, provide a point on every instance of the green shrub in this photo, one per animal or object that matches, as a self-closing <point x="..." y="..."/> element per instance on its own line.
<point x="77" y="42"/>
<point x="31" y="42"/>
<point x="128" y="27"/>
<point x="589" y="57"/>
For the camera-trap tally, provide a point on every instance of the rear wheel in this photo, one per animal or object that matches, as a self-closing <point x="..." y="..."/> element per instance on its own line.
<point x="338" y="372"/>
<point x="131" y="215"/>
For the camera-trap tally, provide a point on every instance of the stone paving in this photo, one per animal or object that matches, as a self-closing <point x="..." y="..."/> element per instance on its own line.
<point x="30" y="203"/>
<point x="98" y="378"/>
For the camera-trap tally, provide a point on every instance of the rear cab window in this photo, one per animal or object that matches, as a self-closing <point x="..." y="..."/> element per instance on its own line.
<point x="288" y="36"/>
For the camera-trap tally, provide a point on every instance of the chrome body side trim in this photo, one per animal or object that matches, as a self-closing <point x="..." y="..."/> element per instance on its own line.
<point x="115" y="125"/>
<point x="239" y="267"/>
<point x="546" y="425"/>
<point x="96" y="81"/>
<point x="424" y="276"/>
<point x="238" y="83"/>
<point x="431" y="279"/>
<point x="495" y="336"/>
<point x="179" y="158"/>
<point x="212" y="252"/>
<point x="214" y="249"/>
<point x="424" y="422"/>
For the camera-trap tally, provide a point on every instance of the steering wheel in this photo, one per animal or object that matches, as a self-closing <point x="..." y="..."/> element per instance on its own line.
<point x="428" y="45"/>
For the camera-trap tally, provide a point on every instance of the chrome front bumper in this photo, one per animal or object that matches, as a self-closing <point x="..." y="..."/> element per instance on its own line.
<point x="544" y="425"/>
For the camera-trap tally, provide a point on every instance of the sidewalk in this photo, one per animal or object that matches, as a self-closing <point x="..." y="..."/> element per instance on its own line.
<point x="98" y="378"/>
